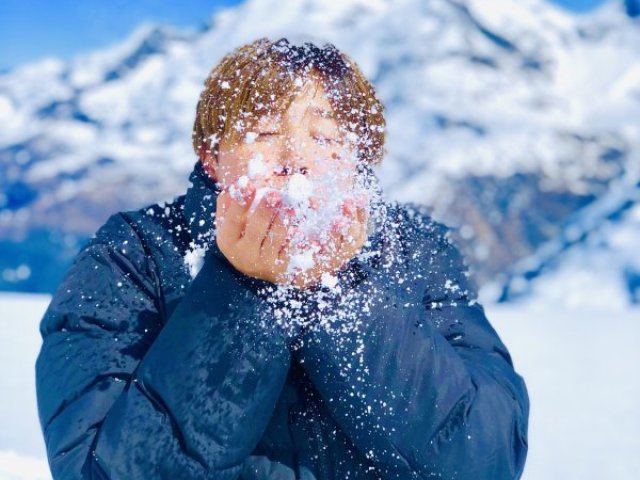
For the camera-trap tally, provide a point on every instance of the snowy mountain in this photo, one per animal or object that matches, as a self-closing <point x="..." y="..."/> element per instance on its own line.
<point x="511" y="123"/>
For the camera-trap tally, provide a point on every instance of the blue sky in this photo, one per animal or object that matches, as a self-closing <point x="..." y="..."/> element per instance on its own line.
<point x="32" y="29"/>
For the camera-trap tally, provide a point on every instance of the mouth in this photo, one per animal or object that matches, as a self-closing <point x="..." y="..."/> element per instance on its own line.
<point x="310" y="203"/>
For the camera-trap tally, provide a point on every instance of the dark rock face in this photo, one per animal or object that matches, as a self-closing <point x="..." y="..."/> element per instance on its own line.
<point x="632" y="8"/>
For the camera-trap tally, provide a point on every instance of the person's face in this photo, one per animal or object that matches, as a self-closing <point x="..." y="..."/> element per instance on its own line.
<point x="305" y="140"/>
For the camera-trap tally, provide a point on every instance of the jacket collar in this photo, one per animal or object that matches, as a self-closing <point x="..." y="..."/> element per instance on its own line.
<point x="200" y="209"/>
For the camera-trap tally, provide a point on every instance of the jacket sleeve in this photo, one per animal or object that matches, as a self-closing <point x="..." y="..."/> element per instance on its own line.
<point x="123" y="396"/>
<point x="426" y="391"/>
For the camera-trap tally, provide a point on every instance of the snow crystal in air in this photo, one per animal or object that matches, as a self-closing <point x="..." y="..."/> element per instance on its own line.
<point x="299" y="190"/>
<point x="257" y="166"/>
<point x="302" y="260"/>
<point x="194" y="259"/>
<point x="243" y="181"/>
<point x="250" y="137"/>
<point x="328" y="280"/>
<point x="213" y="140"/>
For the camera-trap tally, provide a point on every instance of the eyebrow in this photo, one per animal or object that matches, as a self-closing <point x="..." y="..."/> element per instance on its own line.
<point x="321" y="112"/>
<point x="316" y="111"/>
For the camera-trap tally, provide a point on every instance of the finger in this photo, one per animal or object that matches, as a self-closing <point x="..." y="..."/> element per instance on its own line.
<point x="274" y="243"/>
<point x="362" y="215"/>
<point x="284" y="249"/>
<point x="259" y="221"/>
<point x="362" y="200"/>
<point x="341" y="251"/>
<point x="341" y="225"/>
<point x="267" y="238"/>
<point x="242" y="205"/>
<point x="349" y="243"/>
<point x="286" y="219"/>
<point x="358" y="230"/>
<point x="231" y="221"/>
<point x="356" y="217"/>
<point x="348" y="207"/>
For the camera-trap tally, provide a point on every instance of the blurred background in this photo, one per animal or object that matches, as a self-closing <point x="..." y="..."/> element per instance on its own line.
<point x="517" y="122"/>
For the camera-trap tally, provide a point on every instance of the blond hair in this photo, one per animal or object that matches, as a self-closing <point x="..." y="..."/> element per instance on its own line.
<point x="260" y="78"/>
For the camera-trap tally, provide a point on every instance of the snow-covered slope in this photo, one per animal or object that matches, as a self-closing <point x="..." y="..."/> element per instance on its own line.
<point x="22" y="449"/>
<point x="507" y="120"/>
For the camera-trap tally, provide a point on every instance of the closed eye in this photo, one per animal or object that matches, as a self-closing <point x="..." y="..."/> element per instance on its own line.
<point x="324" y="139"/>
<point x="260" y="136"/>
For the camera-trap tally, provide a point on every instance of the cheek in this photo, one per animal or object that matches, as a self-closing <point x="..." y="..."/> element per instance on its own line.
<point x="335" y="170"/>
<point x="231" y="173"/>
<point x="256" y="162"/>
<point x="345" y="178"/>
<point x="334" y="184"/>
<point x="329" y="159"/>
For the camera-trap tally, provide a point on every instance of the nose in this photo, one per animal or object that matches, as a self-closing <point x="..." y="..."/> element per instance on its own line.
<point x="292" y="158"/>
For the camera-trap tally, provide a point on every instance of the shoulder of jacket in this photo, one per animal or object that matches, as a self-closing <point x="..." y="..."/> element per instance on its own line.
<point x="118" y="239"/>
<point x="419" y="223"/>
<point x="127" y="233"/>
<point x="440" y="249"/>
<point x="144" y="222"/>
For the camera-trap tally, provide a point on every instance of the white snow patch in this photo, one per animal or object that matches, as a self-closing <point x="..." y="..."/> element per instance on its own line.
<point x="194" y="259"/>
<point x="22" y="451"/>
<point x="329" y="281"/>
<point x="250" y="137"/>
<point x="257" y="167"/>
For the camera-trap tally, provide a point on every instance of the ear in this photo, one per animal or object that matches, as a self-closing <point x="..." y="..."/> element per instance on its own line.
<point x="209" y="165"/>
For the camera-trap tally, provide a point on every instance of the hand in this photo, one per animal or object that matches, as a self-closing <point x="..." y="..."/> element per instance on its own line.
<point x="258" y="243"/>
<point x="346" y="238"/>
<point x="253" y="242"/>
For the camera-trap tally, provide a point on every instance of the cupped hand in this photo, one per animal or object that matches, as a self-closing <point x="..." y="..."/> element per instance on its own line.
<point x="341" y="244"/>
<point x="253" y="241"/>
<point x="258" y="241"/>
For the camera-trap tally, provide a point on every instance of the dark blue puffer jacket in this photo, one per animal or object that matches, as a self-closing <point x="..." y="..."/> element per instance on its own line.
<point x="148" y="373"/>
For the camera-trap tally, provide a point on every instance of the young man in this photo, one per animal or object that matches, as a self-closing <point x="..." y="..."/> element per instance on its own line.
<point x="280" y="320"/>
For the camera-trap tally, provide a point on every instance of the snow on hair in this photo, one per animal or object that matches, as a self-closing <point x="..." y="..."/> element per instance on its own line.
<point x="262" y="77"/>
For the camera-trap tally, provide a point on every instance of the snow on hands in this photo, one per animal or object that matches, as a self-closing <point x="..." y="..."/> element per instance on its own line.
<point x="317" y="212"/>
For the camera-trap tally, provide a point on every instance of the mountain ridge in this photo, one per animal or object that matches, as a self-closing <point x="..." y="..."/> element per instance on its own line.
<point x="479" y="102"/>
